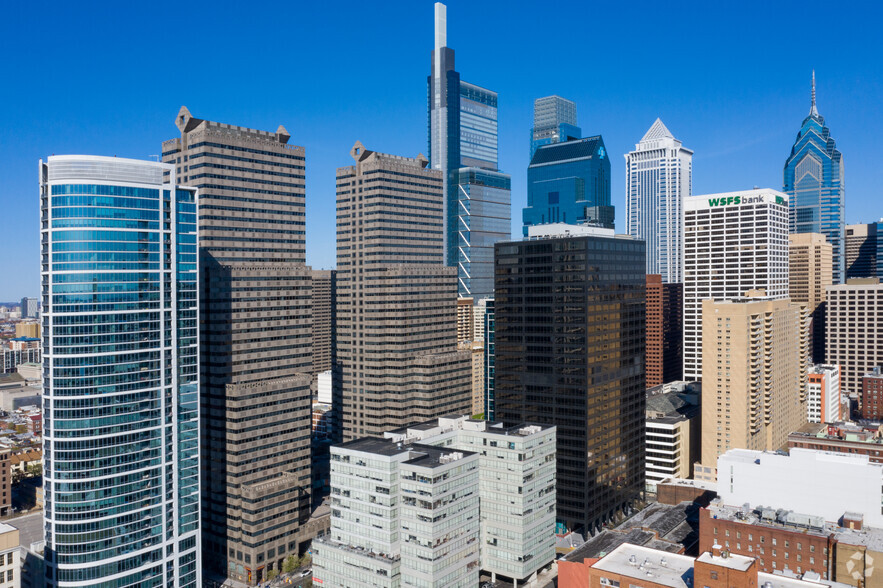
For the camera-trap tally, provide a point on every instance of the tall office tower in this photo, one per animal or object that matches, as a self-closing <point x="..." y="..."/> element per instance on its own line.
<point x="397" y="318"/>
<point x="824" y="403"/>
<point x="463" y="146"/>
<point x="809" y="259"/>
<point x="733" y="242"/>
<point x="658" y="176"/>
<point x="569" y="183"/>
<point x="121" y="475"/>
<point x="861" y="251"/>
<point x="665" y="331"/>
<point x="28" y="308"/>
<point x="815" y="183"/>
<point x="554" y="121"/>
<point x="324" y="319"/>
<point x="756" y="357"/>
<point x="853" y="330"/>
<point x="570" y="353"/>
<point x="256" y="336"/>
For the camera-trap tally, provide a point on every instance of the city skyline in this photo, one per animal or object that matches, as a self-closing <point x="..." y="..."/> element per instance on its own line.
<point x="739" y="119"/>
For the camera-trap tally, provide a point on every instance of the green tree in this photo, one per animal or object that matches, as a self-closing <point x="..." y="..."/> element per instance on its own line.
<point x="272" y="573"/>
<point x="306" y="560"/>
<point x="290" y="564"/>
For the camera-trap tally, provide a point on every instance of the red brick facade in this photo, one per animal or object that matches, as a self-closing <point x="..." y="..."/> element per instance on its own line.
<point x="872" y="397"/>
<point x="664" y="357"/>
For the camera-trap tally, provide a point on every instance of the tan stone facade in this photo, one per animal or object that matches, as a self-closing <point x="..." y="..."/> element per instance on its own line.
<point x="465" y="320"/>
<point x="755" y="359"/>
<point x="809" y="275"/>
<point x="397" y="312"/>
<point x="256" y="334"/>
<point x="854" y="328"/>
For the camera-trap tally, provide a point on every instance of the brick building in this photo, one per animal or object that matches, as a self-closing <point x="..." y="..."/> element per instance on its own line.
<point x="871" y="398"/>
<point x="840" y="438"/>
<point x="664" y="361"/>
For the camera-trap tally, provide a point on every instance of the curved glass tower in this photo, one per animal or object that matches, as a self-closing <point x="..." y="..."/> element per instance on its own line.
<point x="814" y="179"/>
<point x="120" y="373"/>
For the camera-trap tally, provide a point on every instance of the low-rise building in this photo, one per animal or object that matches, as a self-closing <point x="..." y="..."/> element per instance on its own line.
<point x="10" y="558"/>
<point x="840" y="438"/>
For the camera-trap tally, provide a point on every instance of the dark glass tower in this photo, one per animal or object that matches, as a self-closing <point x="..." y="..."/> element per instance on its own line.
<point x="569" y="352"/>
<point x="569" y="182"/>
<point x="814" y="179"/>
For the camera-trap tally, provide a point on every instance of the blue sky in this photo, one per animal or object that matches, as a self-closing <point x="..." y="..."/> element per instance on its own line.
<point x="730" y="79"/>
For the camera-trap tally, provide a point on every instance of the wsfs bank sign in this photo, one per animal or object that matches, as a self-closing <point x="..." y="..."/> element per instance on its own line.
<point x="742" y="200"/>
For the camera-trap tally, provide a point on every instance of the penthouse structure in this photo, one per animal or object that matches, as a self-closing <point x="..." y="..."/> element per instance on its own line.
<point x="256" y="341"/>
<point x="733" y="242"/>
<point x="390" y="272"/>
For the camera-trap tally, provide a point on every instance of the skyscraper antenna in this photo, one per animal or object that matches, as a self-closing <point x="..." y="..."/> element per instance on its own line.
<point x="812" y="110"/>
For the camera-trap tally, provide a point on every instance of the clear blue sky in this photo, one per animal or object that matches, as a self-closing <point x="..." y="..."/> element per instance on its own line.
<point x="730" y="79"/>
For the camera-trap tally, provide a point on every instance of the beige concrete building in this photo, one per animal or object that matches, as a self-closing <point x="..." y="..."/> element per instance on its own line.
<point x="397" y="315"/>
<point x="672" y="432"/>
<point x="256" y="334"/>
<point x="810" y="271"/>
<point x="855" y="330"/>
<point x="465" y="320"/>
<point x="10" y="557"/>
<point x="476" y="348"/>
<point x="754" y="375"/>
<point x="31" y="330"/>
<point x="861" y="251"/>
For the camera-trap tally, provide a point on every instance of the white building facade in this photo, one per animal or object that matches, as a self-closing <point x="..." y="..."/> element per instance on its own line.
<point x="823" y="398"/>
<point x="807" y="481"/>
<point x="658" y="176"/>
<point x="733" y="242"/>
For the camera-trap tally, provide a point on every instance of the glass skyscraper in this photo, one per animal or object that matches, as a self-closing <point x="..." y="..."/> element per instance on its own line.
<point x="814" y="179"/>
<point x="569" y="183"/>
<point x="463" y="144"/>
<point x="120" y="374"/>
<point x="659" y="175"/>
<point x="554" y="121"/>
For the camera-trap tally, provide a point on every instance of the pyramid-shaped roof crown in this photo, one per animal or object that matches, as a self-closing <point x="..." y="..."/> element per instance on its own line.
<point x="657" y="131"/>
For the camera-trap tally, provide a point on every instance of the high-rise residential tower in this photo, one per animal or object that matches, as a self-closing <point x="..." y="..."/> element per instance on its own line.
<point x="569" y="182"/>
<point x="658" y="176"/>
<point x="554" y="121"/>
<point x="809" y="275"/>
<point x="463" y="145"/>
<point x="733" y="242"/>
<point x="397" y="315"/>
<point x="570" y="352"/>
<point x="256" y="335"/>
<point x="814" y="180"/>
<point x="755" y="360"/>
<point x="121" y="371"/>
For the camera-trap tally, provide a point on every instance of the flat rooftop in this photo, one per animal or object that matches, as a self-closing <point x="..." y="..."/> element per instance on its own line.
<point x="415" y="454"/>
<point x="634" y="561"/>
<point x="731" y="561"/>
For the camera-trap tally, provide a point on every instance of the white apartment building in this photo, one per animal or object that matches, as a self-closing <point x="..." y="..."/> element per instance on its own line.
<point x="400" y="516"/>
<point x="405" y="509"/>
<point x="854" y="327"/>
<point x="733" y="242"/>
<point x="823" y="398"/>
<point x="517" y="473"/>
<point x="658" y="176"/>
<point x="821" y="483"/>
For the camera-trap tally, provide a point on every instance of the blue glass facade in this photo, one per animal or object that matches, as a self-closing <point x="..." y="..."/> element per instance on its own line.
<point x="483" y="201"/>
<point x="554" y="121"/>
<point x="569" y="182"/>
<point x="814" y="180"/>
<point x="463" y="134"/>
<point x="121" y="428"/>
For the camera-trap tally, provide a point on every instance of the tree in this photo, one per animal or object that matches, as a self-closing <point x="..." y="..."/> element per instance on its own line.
<point x="272" y="573"/>
<point x="290" y="564"/>
<point x="306" y="560"/>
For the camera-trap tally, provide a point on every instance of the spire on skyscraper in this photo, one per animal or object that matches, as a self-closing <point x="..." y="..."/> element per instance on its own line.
<point x="812" y="110"/>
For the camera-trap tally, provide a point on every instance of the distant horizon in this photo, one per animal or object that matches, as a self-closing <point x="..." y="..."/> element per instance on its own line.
<point x="734" y="89"/>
